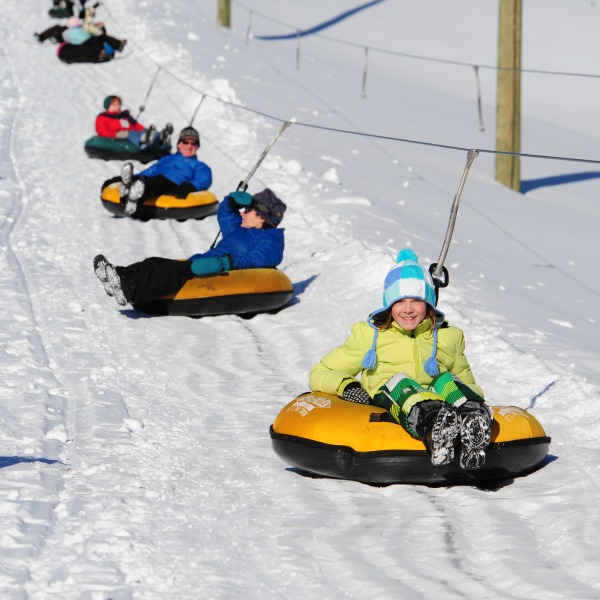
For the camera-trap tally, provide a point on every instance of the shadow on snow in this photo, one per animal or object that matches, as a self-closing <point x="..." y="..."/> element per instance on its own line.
<point x="532" y="184"/>
<point x="8" y="461"/>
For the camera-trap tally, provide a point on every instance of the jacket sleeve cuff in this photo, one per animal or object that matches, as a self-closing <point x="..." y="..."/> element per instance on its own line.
<point x="345" y="383"/>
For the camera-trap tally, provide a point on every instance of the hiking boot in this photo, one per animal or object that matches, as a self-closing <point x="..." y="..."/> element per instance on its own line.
<point x="127" y="174"/>
<point x="147" y="138"/>
<point x="136" y="191"/>
<point x="440" y="434"/>
<point x="115" y="280"/>
<point x="122" y="45"/>
<point x="110" y="279"/>
<point x="100" y="264"/>
<point x="475" y="434"/>
<point x="130" y="206"/>
<point x="164" y="137"/>
<point x="123" y="192"/>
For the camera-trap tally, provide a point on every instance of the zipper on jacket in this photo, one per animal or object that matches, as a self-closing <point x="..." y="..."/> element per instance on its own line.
<point x="416" y="357"/>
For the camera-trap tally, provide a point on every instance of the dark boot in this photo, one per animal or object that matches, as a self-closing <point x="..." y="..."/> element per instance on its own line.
<point x="100" y="264"/>
<point x="134" y="197"/>
<point x="438" y="426"/>
<point x="111" y="280"/>
<point x="164" y="137"/>
<point x="126" y="181"/>
<point x="147" y="138"/>
<point x="475" y="434"/>
<point x="127" y="174"/>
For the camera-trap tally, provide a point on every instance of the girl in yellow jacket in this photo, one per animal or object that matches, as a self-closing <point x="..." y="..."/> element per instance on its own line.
<point x="412" y="363"/>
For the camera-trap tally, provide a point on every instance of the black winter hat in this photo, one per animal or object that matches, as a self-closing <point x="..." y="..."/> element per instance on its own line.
<point x="189" y="132"/>
<point x="269" y="207"/>
<point x="108" y="100"/>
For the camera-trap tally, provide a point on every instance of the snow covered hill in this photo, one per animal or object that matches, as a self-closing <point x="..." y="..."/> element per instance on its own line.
<point x="134" y="451"/>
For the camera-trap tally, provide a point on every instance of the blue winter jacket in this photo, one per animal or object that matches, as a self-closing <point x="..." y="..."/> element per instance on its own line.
<point x="180" y="169"/>
<point x="248" y="248"/>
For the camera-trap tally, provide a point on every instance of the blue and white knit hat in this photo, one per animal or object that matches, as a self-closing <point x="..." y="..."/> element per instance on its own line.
<point x="407" y="279"/>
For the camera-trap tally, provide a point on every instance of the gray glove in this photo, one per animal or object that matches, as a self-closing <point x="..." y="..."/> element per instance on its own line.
<point x="354" y="392"/>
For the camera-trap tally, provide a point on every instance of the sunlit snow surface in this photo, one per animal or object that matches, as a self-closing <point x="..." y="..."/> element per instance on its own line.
<point x="134" y="451"/>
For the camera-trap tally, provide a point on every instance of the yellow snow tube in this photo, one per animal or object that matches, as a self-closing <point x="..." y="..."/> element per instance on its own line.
<point x="243" y="291"/>
<point x="323" y="434"/>
<point x="196" y="205"/>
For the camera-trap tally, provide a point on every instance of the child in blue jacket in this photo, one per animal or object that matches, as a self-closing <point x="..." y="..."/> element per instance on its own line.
<point x="250" y="240"/>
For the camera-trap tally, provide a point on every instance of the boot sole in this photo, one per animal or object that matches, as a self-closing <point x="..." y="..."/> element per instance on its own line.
<point x="127" y="174"/>
<point x="475" y="437"/>
<point x="446" y="429"/>
<point x="100" y="265"/>
<point x="115" y="281"/>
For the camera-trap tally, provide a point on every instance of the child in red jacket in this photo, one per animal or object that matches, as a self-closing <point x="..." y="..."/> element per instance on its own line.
<point x="115" y="122"/>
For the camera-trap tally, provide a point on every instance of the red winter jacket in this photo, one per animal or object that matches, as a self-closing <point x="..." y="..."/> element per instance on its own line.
<point x="108" y="124"/>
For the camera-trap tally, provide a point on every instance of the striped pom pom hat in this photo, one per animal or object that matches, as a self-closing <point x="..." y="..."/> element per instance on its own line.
<point x="407" y="279"/>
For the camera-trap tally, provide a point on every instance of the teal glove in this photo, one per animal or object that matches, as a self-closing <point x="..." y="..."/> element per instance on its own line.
<point x="239" y="198"/>
<point x="210" y="264"/>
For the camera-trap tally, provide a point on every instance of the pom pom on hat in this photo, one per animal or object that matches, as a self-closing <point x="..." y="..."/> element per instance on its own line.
<point x="407" y="254"/>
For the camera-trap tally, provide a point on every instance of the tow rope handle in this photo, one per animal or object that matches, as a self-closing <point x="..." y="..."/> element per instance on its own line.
<point x="243" y="185"/>
<point x="143" y="104"/>
<point x="437" y="282"/>
<point x="438" y="271"/>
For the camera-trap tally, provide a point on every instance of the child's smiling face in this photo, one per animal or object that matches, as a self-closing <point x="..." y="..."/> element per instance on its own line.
<point x="409" y="312"/>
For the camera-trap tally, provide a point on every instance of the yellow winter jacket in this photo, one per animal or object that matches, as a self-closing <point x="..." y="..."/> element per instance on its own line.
<point x="397" y="351"/>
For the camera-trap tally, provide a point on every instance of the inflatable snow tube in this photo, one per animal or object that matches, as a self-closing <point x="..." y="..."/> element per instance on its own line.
<point x="323" y="434"/>
<point x="196" y="205"/>
<point x="60" y="13"/>
<point x="80" y="53"/>
<point x="117" y="149"/>
<point x="237" y="292"/>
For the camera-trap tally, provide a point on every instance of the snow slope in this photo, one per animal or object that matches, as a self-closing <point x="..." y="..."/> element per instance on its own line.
<point x="134" y="451"/>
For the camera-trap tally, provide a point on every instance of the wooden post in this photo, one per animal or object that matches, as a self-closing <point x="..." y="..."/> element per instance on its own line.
<point x="224" y="12"/>
<point x="508" y="109"/>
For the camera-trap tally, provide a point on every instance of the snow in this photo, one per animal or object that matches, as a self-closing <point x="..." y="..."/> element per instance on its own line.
<point x="134" y="451"/>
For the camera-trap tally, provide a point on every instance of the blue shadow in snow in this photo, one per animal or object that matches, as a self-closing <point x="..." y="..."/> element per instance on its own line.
<point x="291" y="36"/>
<point x="8" y="461"/>
<point x="532" y="184"/>
<point x="299" y="288"/>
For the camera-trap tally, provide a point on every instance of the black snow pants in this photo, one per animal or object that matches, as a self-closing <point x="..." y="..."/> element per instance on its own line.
<point x="158" y="185"/>
<point x="89" y="51"/>
<point x="153" y="278"/>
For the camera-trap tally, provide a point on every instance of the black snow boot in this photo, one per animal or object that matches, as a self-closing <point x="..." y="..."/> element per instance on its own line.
<point x="438" y="425"/>
<point x="475" y="434"/>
